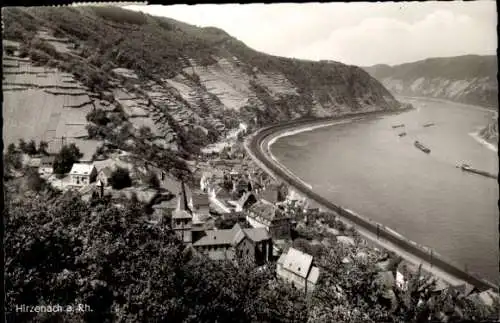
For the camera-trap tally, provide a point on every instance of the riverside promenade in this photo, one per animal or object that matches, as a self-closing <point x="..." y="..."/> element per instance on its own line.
<point x="257" y="145"/>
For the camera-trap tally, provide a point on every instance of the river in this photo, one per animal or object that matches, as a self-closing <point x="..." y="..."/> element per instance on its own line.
<point x="366" y="167"/>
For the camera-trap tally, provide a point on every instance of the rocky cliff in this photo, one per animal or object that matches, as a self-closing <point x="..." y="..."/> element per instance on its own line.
<point x="490" y="132"/>
<point x="469" y="79"/>
<point x="189" y="86"/>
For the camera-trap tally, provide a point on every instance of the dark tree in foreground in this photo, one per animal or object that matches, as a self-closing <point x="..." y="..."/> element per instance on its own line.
<point x="68" y="155"/>
<point x="127" y="270"/>
<point x="120" y="178"/>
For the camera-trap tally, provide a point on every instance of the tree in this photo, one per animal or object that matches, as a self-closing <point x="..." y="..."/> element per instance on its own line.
<point x="98" y="116"/>
<point x="12" y="159"/>
<point x="120" y="178"/>
<point x="68" y="155"/>
<point x="145" y="132"/>
<point x="31" y="148"/>
<point x="33" y="181"/>
<point x="77" y="253"/>
<point x="305" y="246"/>
<point x="42" y="147"/>
<point x="22" y="145"/>
<point x="9" y="50"/>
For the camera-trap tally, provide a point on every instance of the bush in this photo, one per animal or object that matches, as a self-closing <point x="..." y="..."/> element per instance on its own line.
<point x="305" y="246"/>
<point x="98" y="116"/>
<point x="22" y="145"/>
<point x="12" y="159"/>
<point x="39" y="56"/>
<point x="33" y="181"/>
<point x="9" y="50"/>
<point x="120" y="178"/>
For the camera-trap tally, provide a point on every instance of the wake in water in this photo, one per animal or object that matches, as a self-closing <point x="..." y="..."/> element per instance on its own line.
<point x="483" y="142"/>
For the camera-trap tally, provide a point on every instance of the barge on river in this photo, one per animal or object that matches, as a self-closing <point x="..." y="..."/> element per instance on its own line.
<point x="398" y="126"/>
<point x="422" y="147"/>
<point x="469" y="169"/>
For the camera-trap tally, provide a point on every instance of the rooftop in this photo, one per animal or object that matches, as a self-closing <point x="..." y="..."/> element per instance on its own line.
<point x="106" y="171"/>
<point x="264" y="210"/>
<point x="297" y="262"/>
<point x="34" y="162"/>
<point x="181" y="214"/>
<point x="47" y="160"/>
<point x="81" y="169"/>
<point x="200" y="199"/>
<point x="232" y="236"/>
<point x="270" y="194"/>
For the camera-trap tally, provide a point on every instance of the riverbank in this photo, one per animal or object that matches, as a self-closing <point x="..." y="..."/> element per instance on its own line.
<point x="258" y="147"/>
<point x="423" y="98"/>
<point x="477" y="137"/>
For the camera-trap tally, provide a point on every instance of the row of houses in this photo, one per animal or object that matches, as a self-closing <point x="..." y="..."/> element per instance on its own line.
<point x="259" y="204"/>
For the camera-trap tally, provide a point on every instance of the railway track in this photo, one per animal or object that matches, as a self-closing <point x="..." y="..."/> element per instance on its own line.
<point x="257" y="144"/>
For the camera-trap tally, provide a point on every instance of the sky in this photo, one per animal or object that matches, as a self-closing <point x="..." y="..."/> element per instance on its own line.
<point x="361" y="34"/>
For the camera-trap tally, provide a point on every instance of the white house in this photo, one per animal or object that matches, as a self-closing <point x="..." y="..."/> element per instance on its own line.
<point x="296" y="268"/>
<point x="82" y="174"/>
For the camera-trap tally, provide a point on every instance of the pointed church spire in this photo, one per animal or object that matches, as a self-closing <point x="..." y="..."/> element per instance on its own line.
<point x="185" y="203"/>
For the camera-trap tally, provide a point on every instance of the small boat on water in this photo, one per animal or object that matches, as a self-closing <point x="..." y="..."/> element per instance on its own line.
<point x="428" y="125"/>
<point x="422" y="147"/>
<point x="402" y="134"/>
<point x="469" y="169"/>
<point x="398" y="126"/>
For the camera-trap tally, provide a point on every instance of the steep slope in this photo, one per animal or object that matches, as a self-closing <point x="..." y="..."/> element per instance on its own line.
<point x="469" y="79"/>
<point x="189" y="86"/>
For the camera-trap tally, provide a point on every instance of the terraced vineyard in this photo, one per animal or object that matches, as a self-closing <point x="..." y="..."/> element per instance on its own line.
<point x="191" y="87"/>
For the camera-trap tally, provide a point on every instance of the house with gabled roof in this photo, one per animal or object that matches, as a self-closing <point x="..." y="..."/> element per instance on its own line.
<point x="296" y="267"/>
<point x="34" y="163"/>
<point x="269" y="216"/>
<point x="46" y="166"/>
<point x="104" y="175"/>
<point x="82" y="174"/>
<point x="200" y="205"/>
<point x="251" y="243"/>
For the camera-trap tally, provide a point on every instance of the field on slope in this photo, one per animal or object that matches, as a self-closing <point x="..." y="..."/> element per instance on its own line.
<point x="43" y="103"/>
<point x="190" y="86"/>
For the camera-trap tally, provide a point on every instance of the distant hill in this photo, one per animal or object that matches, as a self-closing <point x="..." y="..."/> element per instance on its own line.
<point x="189" y="85"/>
<point x="470" y="79"/>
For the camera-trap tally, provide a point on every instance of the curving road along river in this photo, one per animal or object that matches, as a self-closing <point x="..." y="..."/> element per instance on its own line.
<point x="257" y="146"/>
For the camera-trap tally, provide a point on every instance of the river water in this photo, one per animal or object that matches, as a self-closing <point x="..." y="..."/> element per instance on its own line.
<point x="366" y="167"/>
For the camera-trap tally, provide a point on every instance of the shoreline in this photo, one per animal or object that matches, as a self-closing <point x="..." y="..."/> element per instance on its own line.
<point x="409" y="250"/>
<point x="483" y="142"/>
<point x="464" y="105"/>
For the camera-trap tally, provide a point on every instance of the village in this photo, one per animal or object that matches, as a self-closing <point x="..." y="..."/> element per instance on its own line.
<point x="233" y="210"/>
<point x="133" y="139"/>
